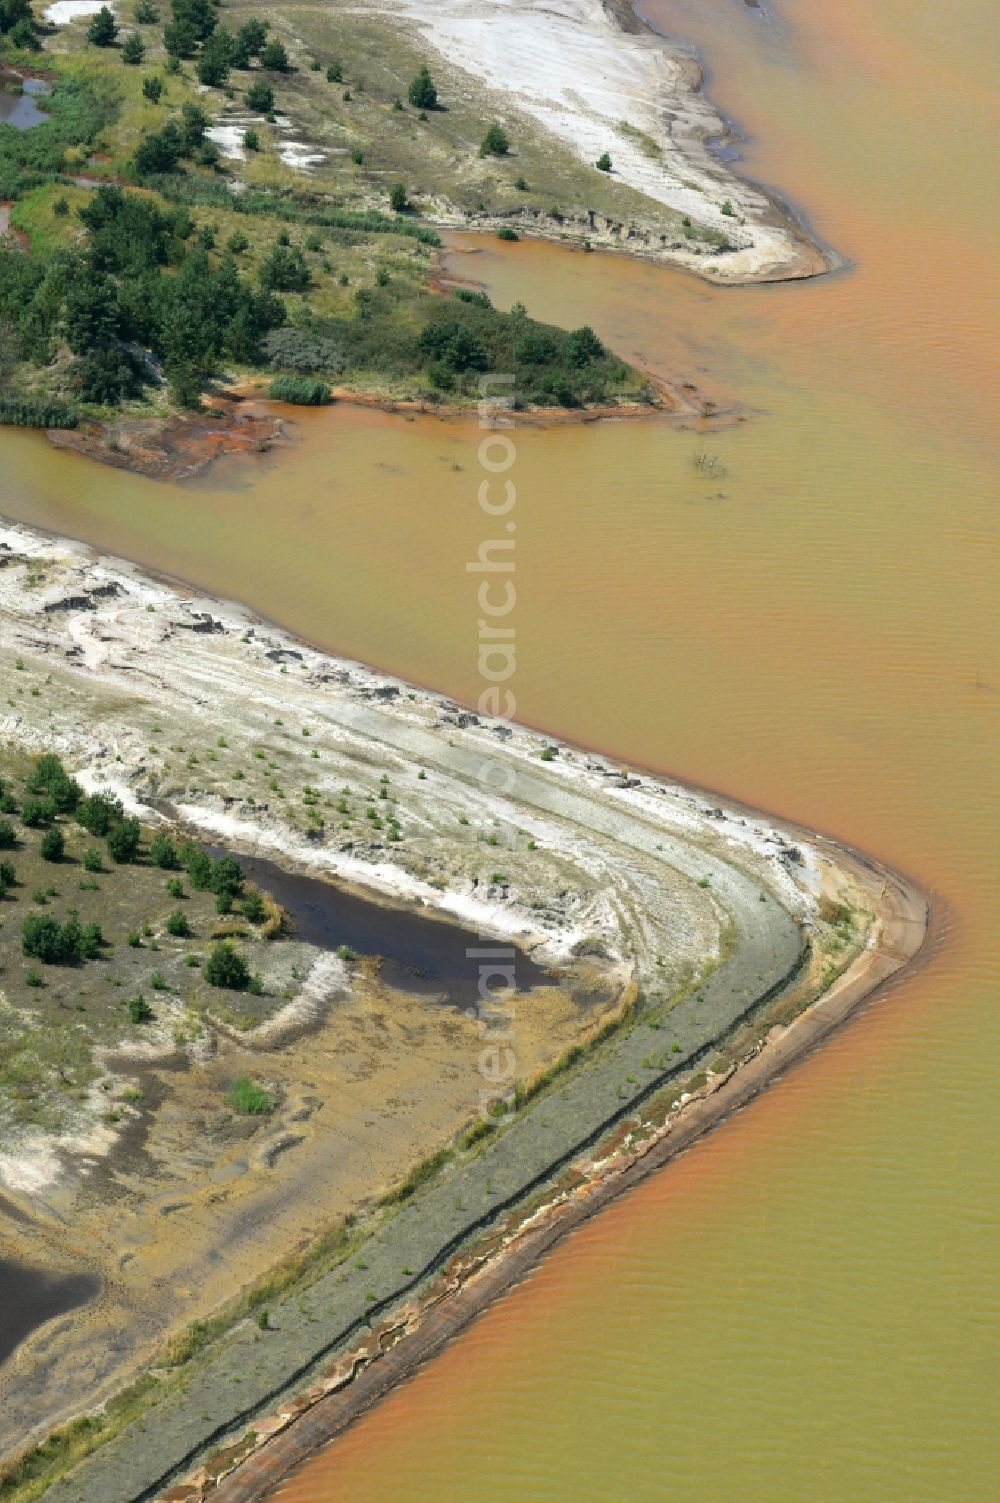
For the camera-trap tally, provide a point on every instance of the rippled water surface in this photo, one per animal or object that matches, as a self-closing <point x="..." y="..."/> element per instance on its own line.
<point x="804" y="1307"/>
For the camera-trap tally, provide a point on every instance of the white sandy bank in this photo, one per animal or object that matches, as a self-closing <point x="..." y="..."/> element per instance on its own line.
<point x="569" y="66"/>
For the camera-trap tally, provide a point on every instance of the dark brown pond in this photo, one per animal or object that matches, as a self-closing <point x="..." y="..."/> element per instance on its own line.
<point x="29" y="1297"/>
<point x="418" y="953"/>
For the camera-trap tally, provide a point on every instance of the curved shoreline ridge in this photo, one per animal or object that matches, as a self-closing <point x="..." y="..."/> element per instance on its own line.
<point x="727" y="944"/>
<point x="596" y="77"/>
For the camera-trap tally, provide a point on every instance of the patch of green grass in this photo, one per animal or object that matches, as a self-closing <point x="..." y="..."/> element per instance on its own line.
<point x="245" y="1096"/>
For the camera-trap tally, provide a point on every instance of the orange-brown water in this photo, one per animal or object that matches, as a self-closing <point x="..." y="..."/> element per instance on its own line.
<point x="805" y="1307"/>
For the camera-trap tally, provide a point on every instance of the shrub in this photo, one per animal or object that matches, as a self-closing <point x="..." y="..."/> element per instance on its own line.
<point x="251" y="142"/>
<point x="61" y="208"/>
<point x="98" y="812"/>
<point x="290" y="349"/>
<point x="92" y="860"/>
<point x="50" y="779"/>
<point x="227" y="877"/>
<point x="727" y="209"/>
<point x="163" y="853"/>
<point x="146" y="13"/>
<point x="139" y="1010"/>
<point x="453" y="345"/>
<point x="285" y="270"/>
<point x="8" y="837"/>
<point x="495" y="143"/>
<point x="300" y="390"/>
<point x="226" y="968"/>
<point x="53" y="846"/>
<point x="244" y="1095"/>
<point x="422" y="91"/>
<point x="177" y="924"/>
<point x="198" y="865"/>
<point x="37" y="811"/>
<point x="603" y="162"/>
<point x="506" y="233"/>
<point x="45" y="939"/>
<point x="133" y="49"/>
<point x="274" y="57"/>
<point x="216" y="59"/>
<point x="152" y="88"/>
<point x="7" y="877"/>
<point x="254" y="907"/>
<point x="259" y="97"/>
<point x="123" y="841"/>
<point x="335" y="73"/>
<point x="36" y="412"/>
<point x="398" y="201"/>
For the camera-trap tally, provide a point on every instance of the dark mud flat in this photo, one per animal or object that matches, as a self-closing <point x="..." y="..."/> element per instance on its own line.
<point x="28" y="1298"/>
<point x="418" y="954"/>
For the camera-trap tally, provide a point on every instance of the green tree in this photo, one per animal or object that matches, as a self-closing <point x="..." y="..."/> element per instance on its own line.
<point x="90" y="318"/>
<point x="199" y="15"/>
<point x="583" y="346"/>
<point x="216" y="59"/>
<point x="36" y="812"/>
<point x="249" y="42"/>
<point x="194" y="124"/>
<point x="152" y="88"/>
<point x="44" y="938"/>
<point x="177" y="924"/>
<point x="133" y="48"/>
<point x="495" y="143"/>
<point x="423" y="92"/>
<point x="180" y="40"/>
<point x="8" y="837"/>
<point x="53" y="845"/>
<point x="604" y="162"/>
<point x="49" y="778"/>
<point x="226" y="968"/>
<point x="103" y="29"/>
<point x="398" y="200"/>
<point x="198" y="865"/>
<point x="274" y="57"/>
<point x="259" y="97"/>
<point x="163" y="853"/>
<point x="12" y="13"/>
<point x="123" y="841"/>
<point x="98" y="812"/>
<point x="254" y="907"/>
<point x="146" y="13"/>
<point x="285" y="270"/>
<point x="227" y="877"/>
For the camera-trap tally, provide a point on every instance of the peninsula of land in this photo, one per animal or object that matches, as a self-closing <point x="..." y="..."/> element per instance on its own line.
<point x="668" y="952"/>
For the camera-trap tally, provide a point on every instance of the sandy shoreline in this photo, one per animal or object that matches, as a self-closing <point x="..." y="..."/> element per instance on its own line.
<point x="595" y="76"/>
<point x="288" y="1440"/>
<point x="117" y="644"/>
